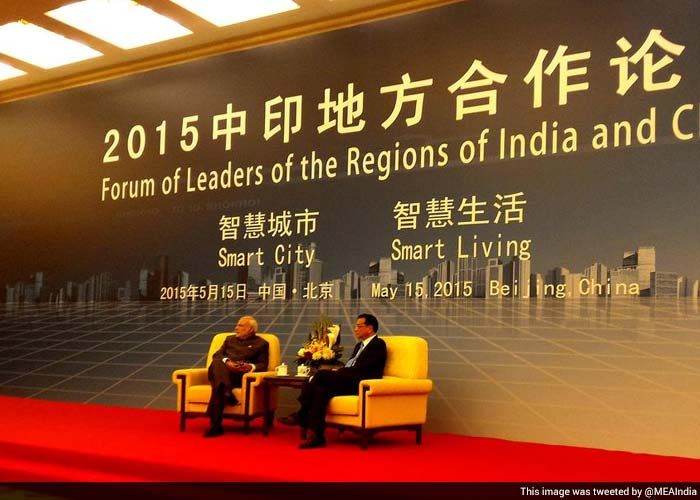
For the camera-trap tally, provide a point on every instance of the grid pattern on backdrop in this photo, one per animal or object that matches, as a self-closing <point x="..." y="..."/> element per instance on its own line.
<point x="615" y="374"/>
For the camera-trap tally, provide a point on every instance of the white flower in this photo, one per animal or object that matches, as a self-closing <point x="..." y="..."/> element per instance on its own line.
<point x="327" y="353"/>
<point x="333" y="332"/>
<point x="301" y="352"/>
<point x="316" y="356"/>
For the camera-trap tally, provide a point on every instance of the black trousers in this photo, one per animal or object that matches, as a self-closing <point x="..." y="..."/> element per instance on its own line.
<point x="316" y="395"/>
<point x="222" y="382"/>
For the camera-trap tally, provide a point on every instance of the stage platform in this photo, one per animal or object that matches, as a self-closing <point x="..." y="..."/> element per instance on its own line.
<point x="57" y="441"/>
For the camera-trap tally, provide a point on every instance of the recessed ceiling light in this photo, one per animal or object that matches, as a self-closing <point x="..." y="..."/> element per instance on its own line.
<point x="123" y="23"/>
<point x="225" y="12"/>
<point x="46" y="49"/>
<point x="7" y="72"/>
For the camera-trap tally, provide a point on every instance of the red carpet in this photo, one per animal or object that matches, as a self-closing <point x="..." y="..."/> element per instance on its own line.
<point x="53" y="441"/>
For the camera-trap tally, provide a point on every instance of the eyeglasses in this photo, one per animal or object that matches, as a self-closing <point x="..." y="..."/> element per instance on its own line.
<point x="360" y="325"/>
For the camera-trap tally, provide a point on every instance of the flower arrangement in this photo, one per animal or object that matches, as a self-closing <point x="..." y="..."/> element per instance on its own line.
<point x="323" y="345"/>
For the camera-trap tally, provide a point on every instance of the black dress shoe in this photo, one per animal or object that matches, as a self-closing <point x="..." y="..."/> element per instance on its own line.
<point x="213" y="432"/>
<point x="313" y="442"/>
<point x="231" y="400"/>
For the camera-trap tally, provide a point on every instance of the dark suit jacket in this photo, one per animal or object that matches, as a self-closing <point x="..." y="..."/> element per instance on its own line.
<point x="254" y="350"/>
<point x="371" y="362"/>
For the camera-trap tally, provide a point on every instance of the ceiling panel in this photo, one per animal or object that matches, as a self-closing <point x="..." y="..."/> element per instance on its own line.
<point x="313" y="16"/>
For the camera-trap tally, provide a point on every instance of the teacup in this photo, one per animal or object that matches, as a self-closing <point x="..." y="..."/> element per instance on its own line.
<point x="282" y="370"/>
<point x="303" y="371"/>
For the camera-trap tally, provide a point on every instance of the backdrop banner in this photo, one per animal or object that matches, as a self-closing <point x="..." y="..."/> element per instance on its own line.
<point x="516" y="181"/>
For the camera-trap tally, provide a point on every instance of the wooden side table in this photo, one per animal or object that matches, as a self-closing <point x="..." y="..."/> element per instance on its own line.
<point x="279" y="381"/>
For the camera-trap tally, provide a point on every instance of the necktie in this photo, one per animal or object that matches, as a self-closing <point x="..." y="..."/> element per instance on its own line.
<point x="351" y="361"/>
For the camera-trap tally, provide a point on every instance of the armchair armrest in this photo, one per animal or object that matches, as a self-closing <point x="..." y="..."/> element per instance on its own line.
<point x="191" y="376"/>
<point x="258" y="376"/>
<point x="184" y="378"/>
<point x="251" y="390"/>
<point x="254" y="379"/>
<point x="387" y="386"/>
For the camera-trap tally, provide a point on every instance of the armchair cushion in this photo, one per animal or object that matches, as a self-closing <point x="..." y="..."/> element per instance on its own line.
<point x="344" y="405"/>
<point x="202" y="393"/>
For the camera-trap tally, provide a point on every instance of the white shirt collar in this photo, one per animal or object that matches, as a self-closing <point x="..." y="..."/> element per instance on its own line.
<point x="368" y="340"/>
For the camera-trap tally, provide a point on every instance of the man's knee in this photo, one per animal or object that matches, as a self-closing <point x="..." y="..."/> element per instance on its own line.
<point x="323" y="377"/>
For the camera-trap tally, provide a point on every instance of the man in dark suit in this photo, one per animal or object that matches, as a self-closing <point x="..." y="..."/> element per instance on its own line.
<point x="239" y="354"/>
<point x="367" y="362"/>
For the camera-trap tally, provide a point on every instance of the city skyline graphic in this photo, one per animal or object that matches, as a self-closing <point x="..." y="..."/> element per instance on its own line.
<point x="462" y="278"/>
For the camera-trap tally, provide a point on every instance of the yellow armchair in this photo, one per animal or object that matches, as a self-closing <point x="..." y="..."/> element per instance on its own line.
<point x="399" y="400"/>
<point x="194" y="390"/>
